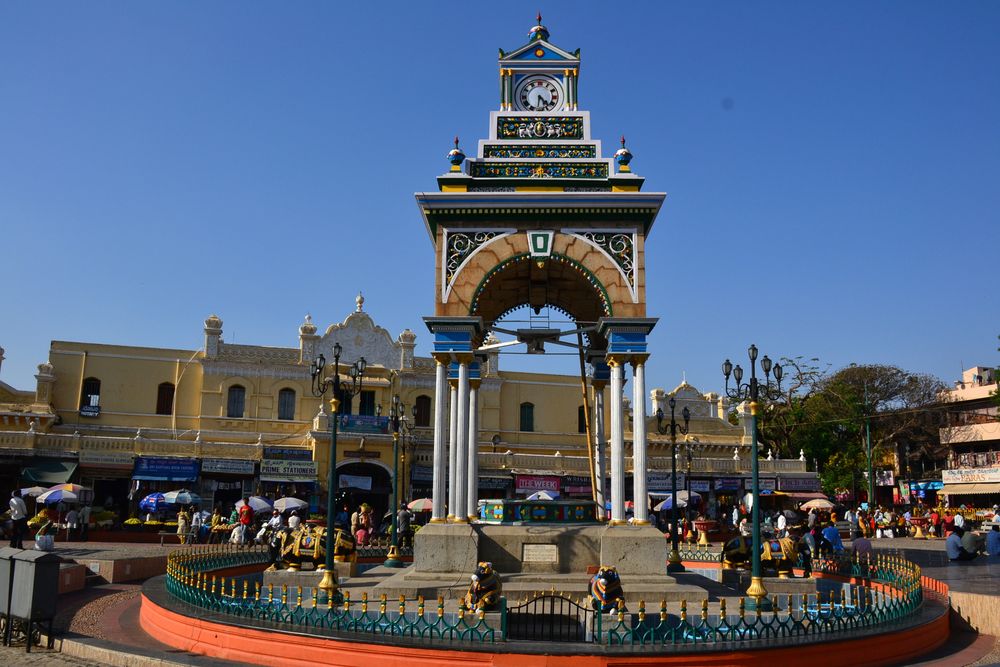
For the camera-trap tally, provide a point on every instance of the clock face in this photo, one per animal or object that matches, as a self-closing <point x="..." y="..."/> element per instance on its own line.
<point x="539" y="94"/>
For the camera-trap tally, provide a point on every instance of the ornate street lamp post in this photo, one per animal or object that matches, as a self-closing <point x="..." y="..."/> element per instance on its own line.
<point x="397" y="419"/>
<point x="753" y="391"/>
<point x="338" y="389"/>
<point x="674" y="562"/>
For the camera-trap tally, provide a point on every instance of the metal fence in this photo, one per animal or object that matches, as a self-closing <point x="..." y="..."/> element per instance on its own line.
<point x="869" y="592"/>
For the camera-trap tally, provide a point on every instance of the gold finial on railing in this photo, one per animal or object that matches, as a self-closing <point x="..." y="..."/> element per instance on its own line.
<point x="788" y="602"/>
<point x="440" y="607"/>
<point x="213" y="584"/>
<point x="704" y="609"/>
<point x="347" y="601"/>
<point x="256" y="591"/>
<point x="621" y="610"/>
<point x="420" y="606"/>
<point x="642" y="610"/>
<point x="743" y="607"/>
<point x="381" y="604"/>
<point x="298" y="596"/>
<point x="270" y="592"/>
<point x="246" y="589"/>
<point x="284" y="595"/>
<point x="684" y="610"/>
<point x="481" y="613"/>
<point x="402" y="604"/>
<point x="364" y="601"/>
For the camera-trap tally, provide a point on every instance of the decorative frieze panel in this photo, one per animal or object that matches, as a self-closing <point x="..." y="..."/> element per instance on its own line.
<point x="619" y="247"/>
<point x="539" y="170"/>
<point x="539" y="151"/>
<point x="527" y="127"/>
<point x="231" y="352"/>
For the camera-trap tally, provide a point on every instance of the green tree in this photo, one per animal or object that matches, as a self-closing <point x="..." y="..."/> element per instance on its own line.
<point x="782" y="418"/>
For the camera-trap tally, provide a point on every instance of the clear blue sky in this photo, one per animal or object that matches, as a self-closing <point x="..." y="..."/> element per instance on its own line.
<point x="831" y="169"/>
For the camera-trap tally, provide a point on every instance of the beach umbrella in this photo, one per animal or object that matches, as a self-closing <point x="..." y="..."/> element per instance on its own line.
<point x="181" y="497"/>
<point x="257" y="504"/>
<point x="818" y="504"/>
<point x="421" y="505"/>
<point x="154" y="502"/>
<point x="683" y="497"/>
<point x="53" y="496"/>
<point x="33" y="491"/>
<point x="543" y="495"/>
<point x="288" y="504"/>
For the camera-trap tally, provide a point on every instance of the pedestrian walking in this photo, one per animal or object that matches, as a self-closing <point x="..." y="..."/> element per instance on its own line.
<point x="84" y="523"/>
<point x="403" y="518"/>
<point x="72" y="517"/>
<point x="294" y="520"/>
<point x="245" y="516"/>
<point x="19" y="515"/>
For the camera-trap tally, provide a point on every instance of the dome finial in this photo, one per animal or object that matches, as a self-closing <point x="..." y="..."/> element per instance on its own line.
<point x="360" y="301"/>
<point x="538" y="32"/>
<point x="622" y="157"/>
<point x="456" y="157"/>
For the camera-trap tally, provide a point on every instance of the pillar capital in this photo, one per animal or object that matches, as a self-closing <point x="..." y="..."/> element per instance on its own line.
<point x="617" y="360"/>
<point x="638" y="359"/>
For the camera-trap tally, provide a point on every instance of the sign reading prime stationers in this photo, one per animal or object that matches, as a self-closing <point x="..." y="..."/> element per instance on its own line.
<point x="274" y="470"/>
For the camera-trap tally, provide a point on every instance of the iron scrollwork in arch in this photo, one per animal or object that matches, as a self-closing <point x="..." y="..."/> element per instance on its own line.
<point x="460" y="246"/>
<point x="618" y="246"/>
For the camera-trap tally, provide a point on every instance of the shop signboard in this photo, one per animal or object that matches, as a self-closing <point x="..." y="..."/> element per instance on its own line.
<point x="226" y="467"/>
<point x="422" y="473"/>
<point x="885" y="478"/>
<point x="660" y="481"/>
<point x="904" y="491"/>
<point x="363" y="424"/>
<point x="362" y="454"/>
<point x="498" y="483"/>
<point x="165" y="469"/>
<point x="107" y="460"/>
<point x="288" y="453"/>
<point x="798" y="484"/>
<point x="531" y="483"/>
<point x="354" y="482"/>
<point x="575" y="484"/>
<point x="700" y="485"/>
<point x="732" y="484"/>
<point x="276" y="470"/>
<point x="970" y="475"/>
<point x="766" y="484"/>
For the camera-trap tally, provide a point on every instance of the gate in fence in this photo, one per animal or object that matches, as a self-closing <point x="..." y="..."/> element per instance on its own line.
<point x="550" y="618"/>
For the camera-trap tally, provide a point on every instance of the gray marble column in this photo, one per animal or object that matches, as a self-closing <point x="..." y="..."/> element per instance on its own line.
<point x="452" y="448"/>
<point x="639" y="466"/>
<point x="440" y="455"/>
<point x="462" y="448"/>
<point x="617" y="444"/>
<point x="472" y="490"/>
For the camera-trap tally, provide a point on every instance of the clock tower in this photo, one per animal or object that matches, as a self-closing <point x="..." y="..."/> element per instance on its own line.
<point x="540" y="218"/>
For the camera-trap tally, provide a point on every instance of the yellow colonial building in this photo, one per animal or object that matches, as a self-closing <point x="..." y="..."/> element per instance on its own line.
<point x="233" y="419"/>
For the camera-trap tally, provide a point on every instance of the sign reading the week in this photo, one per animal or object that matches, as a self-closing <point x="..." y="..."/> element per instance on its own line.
<point x="970" y="475"/>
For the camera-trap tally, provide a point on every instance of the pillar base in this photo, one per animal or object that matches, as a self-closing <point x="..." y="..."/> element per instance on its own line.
<point x="445" y="548"/>
<point x="634" y="549"/>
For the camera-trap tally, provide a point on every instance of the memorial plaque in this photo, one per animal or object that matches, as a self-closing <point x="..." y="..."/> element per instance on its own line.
<point x="539" y="553"/>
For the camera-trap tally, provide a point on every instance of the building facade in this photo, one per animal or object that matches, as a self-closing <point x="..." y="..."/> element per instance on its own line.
<point x="973" y="439"/>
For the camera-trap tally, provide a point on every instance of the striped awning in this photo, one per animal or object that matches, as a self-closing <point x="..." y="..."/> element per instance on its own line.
<point x="969" y="489"/>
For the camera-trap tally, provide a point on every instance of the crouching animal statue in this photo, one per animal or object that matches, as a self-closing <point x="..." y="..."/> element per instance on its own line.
<point x="484" y="591"/>
<point x="606" y="590"/>
<point x="777" y="554"/>
<point x="307" y="544"/>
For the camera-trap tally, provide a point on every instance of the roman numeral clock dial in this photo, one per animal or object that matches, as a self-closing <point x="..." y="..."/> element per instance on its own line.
<point x="539" y="94"/>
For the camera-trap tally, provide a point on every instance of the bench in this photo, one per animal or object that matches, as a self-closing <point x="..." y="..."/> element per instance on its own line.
<point x="166" y="533"/>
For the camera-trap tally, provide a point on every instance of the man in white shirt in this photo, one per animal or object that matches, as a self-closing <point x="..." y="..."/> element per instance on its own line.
<point x="71" y="519"/>
<point x="19" y="515"/>
<point x="294" y="520"/>
<point x="959" y="520"/>
<point x="782" y="524"/>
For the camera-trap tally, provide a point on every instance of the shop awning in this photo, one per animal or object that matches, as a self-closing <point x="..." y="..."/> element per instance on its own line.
<point x="805" y="495"/>
<point x="49" y="472"/>
<point x="968" y="489"/>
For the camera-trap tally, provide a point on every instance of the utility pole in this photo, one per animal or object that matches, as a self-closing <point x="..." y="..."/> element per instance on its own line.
<point x="868" y="445"/>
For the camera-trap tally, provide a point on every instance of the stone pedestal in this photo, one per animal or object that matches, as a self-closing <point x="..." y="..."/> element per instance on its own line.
<point x="446" y="548"/>
<point x="634" y="549"/>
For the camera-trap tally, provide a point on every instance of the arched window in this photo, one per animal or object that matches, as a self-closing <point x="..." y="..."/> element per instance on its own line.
<point x="422" y="416"/>
<point x="165" y="398"/>
<point x="527" y="417"/>
<point x="581" y="419"/>
<point x="90" y="396"/>
<point x="236" y="401"/>
<point x="286" y="404"/>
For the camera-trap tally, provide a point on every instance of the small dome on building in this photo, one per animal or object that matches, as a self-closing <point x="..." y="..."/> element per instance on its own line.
<point x="623" y="155"/>
<point x="359" y="302"/>
<point x="455" y="156"/>
<point x="213" y="322"/>
<point x="407" y="336"/>
<point x="307" y="328"/>
<point x="45" y="368"/>
<point x="539" y="31"/>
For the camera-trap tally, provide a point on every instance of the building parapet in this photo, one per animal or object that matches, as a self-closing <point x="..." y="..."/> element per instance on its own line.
<point x="59" y="444"/>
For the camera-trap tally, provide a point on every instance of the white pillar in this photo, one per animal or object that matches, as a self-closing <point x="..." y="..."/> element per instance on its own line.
<point x="462" y="448"/>
<point x="440" y="455"/>
<point x="600" y="442"/>
<point x="472" y="490"/>
<point x="617" y="444"/>
<point x="452" y="448"/>
<point x="639" y="466"/>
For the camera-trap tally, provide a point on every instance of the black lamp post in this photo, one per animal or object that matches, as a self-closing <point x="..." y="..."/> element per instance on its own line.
<point x="396" y="413"/>
<point x="338" y="389"/>
<point x="753" y="391"/>
<point x="674" y="562"/>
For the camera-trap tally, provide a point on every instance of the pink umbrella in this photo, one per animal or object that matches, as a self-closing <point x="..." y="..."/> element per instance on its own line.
<point x="421" y="505"/>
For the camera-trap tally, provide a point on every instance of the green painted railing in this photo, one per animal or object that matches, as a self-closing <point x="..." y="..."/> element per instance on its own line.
<point x="189" y="579"/>
<point x="873" y="591"/>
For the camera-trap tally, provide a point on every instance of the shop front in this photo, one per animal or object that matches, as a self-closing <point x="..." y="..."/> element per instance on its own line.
<point x="800" y="489"/>
<point x="289" y="472"/>
<point x="421" y="482"/>
<point x="363" y="482"/>
<point x="495" y="485"/>
<point x="972" y="487"/>
<point x="575" y="486"/>
<point x="728" y="491"/>
<point x="224" y="482"/>
<point x="109" y="474"/>
<point x="156" y="474"/>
